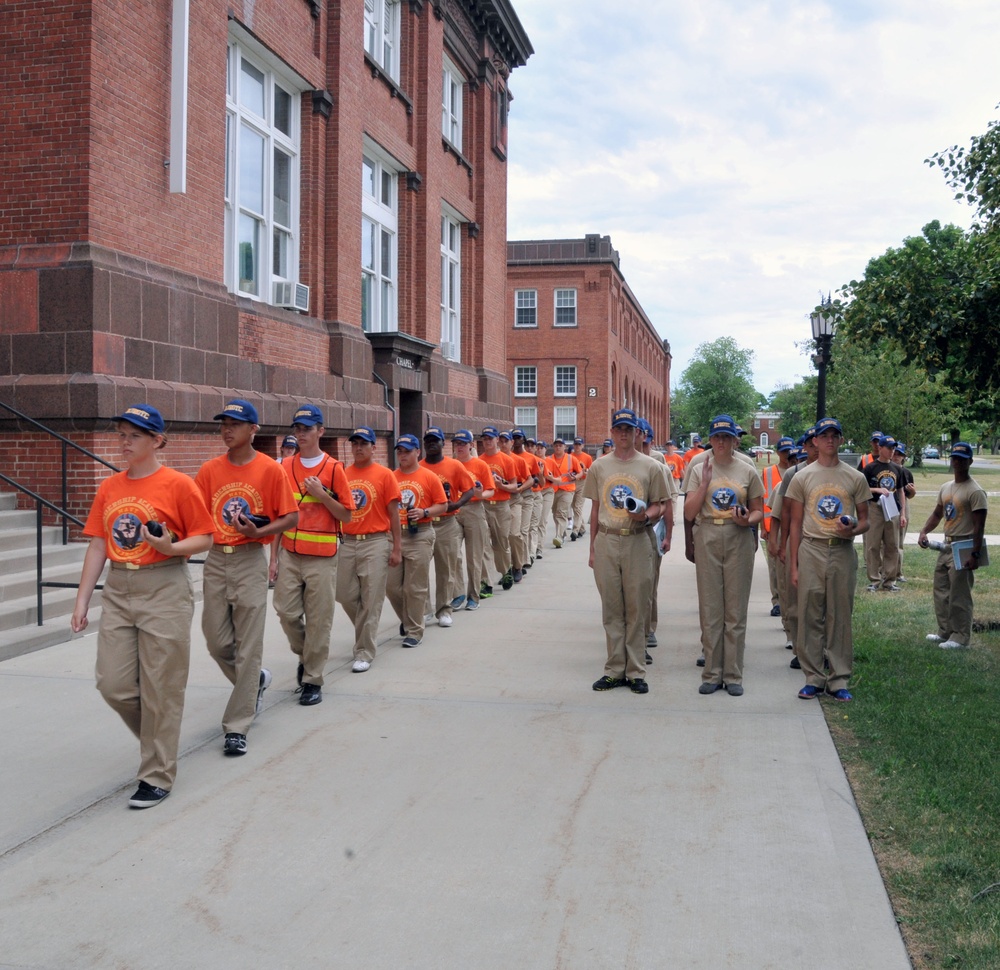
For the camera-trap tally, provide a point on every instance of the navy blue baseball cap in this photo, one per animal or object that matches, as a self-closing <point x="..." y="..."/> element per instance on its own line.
<point x="289" y="441"/>
<point x="408" y="441"/>
<point x="828" y="424"/>
<point x="490" y="432"/>
<point x="888" y="441"/>
<point x="308" y="415"/>
<point x="434" y="432"/>
<point x="505" y="436"/>
<point x="558" y="441"/>
<point x="516" y="433"/>
<point x="723" y="424"/>
<point x="625" y="418"/>
<point x="238" y="410"/>
<point x="961" y="449"/>
<point x="809" y="435"/>
<point x="901" y="448"/>
<point x="364" y="433"/>
<point x="463" y="437"/>
<point x="608" y="443"/>
<point x="786" y="444"/>
<point x="143" y="416"/>
<point x="578" y="441"/>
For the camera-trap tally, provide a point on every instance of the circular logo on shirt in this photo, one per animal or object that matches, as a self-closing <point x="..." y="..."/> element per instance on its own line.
<point x="724" y="499"/>
<point x="887" y="481"/>
<point x="124" y="520"/>
<point x="231" y="501"/>
<point x="950" y="511"/>
<point x="829" y="507"/>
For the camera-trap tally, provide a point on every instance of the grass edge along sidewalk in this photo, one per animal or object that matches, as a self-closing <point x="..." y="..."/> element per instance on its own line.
<point x="920" y="748"/>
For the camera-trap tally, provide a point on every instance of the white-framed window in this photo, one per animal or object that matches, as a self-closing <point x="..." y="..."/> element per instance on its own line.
<point x="451" y="287"/>
<point x="527" y="420"/>
<point x="452" y="87"/>
<point x="262" y="174"/>
<point x="382" y="34"/>
<point x="565" y="381"/>
<point x="526" y="308"/>
<point x="565" y="315"/>
<point x="564" y="419"/>
<point x="379" y="241"/>
<point x="764" y="440"/>
<point x="525" y="381"/>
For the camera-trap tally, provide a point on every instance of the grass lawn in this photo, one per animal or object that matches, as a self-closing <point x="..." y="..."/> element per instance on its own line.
<point x="921" y="746"/>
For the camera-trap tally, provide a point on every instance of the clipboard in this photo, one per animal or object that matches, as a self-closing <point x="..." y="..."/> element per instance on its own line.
<point x="961" y="548"/>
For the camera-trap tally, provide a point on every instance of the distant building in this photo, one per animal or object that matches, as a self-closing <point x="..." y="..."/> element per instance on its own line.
<point x="280" y="200"/>
<point x="765" y="428"/>
<point x="579" y="344"/>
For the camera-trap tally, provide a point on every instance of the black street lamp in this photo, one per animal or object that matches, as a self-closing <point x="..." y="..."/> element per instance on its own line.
<point x="824" y="323"/>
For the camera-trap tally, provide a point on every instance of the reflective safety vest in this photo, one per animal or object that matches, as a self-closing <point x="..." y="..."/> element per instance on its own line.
<point x="771" y="476"/>
<point x="317" y="531"/>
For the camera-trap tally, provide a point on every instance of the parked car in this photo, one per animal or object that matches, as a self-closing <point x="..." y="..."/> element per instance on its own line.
<point x="931" y="452"/>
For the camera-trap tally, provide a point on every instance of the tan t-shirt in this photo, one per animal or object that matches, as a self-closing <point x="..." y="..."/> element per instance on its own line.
<point x="611" y="481"/>
<point x="827" y="493"/>
<point x="735" y="483"/>
<point x="959" y="500"/>
<point x="699" y="459"/>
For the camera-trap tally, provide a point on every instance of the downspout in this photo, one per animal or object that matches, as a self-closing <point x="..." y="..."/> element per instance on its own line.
<point x="385" y="388"/>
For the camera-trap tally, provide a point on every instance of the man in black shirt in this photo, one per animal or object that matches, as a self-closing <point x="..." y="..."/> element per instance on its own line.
<point x="909" y="489"/>
<point x="885" y="478"/>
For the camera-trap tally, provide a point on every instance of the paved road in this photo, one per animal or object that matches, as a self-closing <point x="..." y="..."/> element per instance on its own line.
<point x="468" y="804"/>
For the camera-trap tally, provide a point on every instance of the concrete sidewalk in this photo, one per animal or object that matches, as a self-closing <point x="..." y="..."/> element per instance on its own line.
<point x="467" y="804"/>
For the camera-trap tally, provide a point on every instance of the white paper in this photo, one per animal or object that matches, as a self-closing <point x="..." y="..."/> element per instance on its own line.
<point x="888" y="504"/>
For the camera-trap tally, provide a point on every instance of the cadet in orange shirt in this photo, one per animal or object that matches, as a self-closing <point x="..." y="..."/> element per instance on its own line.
<point x="561" y="470"/>
<point x="305" y="570"/>
<point x="458" y="486"/>
<point x="579" y="522"/>
<point x="695" y="449"/>
<point x="498" y="511"/>
<point x="241" y="488"/>
<point x="422" y="498"/>
<point x="144" y="642"/>
<point x="371" y="545"/>
<point x="472" y="520"/>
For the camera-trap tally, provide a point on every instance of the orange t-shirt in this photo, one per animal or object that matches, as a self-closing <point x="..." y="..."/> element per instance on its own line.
<point x="584" y="459"/>
<point x="373" y="489"/>
<point x="260" y="487"/>
<point x="562" y="467"/>
<point x="676" y="463"/>
<point x="692" y="453"/>
<point x="122" y="505"/>
<point x="481" y="473"/>
<point x="316" y="531"/>
<point x="455" y="479"/>
<point x="504" y="470"/>
<point x="418" y="490"/>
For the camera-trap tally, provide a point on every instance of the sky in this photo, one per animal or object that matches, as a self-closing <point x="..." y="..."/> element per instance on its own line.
<point x="744" y="157"/>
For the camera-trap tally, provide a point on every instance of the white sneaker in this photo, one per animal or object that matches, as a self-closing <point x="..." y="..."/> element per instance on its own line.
<point x="953" y="645"/>
<point x="360" y="666"/>
<point x="263" y="684"/>
<point x="557" y="542"/>
<point x="444" y="619"/>
<point x="933" y="637"/>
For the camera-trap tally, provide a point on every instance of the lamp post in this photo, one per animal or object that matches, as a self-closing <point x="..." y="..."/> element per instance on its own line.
<point x="824" y="322"/>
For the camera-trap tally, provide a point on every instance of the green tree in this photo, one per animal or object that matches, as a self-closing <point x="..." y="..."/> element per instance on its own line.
<point x="797" y="405"/>
<point x="974" y="174"/>
<point x="719" y="380"/>
<point x="869" y="390"/>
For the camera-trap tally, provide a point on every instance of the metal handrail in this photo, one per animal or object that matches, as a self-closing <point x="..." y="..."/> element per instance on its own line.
<point x="39" y="503"/>
<point x="66" y="443"/>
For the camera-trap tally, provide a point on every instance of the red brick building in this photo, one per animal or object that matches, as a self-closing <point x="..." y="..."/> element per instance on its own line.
<point x="281" y="200"/>
<point x="765" y="428"/>
<point x="579" y="343"/>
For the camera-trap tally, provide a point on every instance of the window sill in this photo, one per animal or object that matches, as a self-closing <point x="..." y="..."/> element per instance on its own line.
<point x="525" y="326"/>
<point x="395" y="91"/>
<point x="460" y="159"/>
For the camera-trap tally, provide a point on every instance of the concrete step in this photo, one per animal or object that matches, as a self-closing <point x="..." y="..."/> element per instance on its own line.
<point x="17" y="519"/>
<point x="57" y="605"/>
<point x="18" y="539"/>
<point x="53" y="557"/>
<point x="23" y="583"/>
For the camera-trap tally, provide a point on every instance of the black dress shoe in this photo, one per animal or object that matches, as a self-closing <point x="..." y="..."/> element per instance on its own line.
<point x="311" y="694"/>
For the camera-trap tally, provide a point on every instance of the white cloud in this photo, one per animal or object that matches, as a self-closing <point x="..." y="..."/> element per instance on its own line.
<point x="744" y="156"/>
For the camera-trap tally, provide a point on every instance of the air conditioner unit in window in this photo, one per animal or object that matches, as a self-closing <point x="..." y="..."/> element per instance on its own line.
<point x="448" y="350"/>
<point x="292" y="296"/>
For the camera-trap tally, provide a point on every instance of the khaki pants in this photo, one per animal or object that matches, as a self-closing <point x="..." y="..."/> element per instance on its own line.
<point x="772" y="572"/>
<point x="232" y="619"/>
<point x="143" y="655"/>
<point x="447" y="568"/>
<point x="361" y="581"/>
<point x="540" y="519"/>
<point x="304" y="596"/>
<point x="881" y="547"/>
<point x="953" y="597"/>
<point x="517" y="557"/>
<point x="407" y="583"/>
<point x="472" y="522"/>
<point x="623" y="571"/>
<point x="788" y="600"/>
<point x="498" y="520"/>
<point x="562" y="505"/>
<point x="724" y="572"/>
<point x="827" y="576"/>
<point x="579" y="522"/>
<point x="528" y="502"/>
